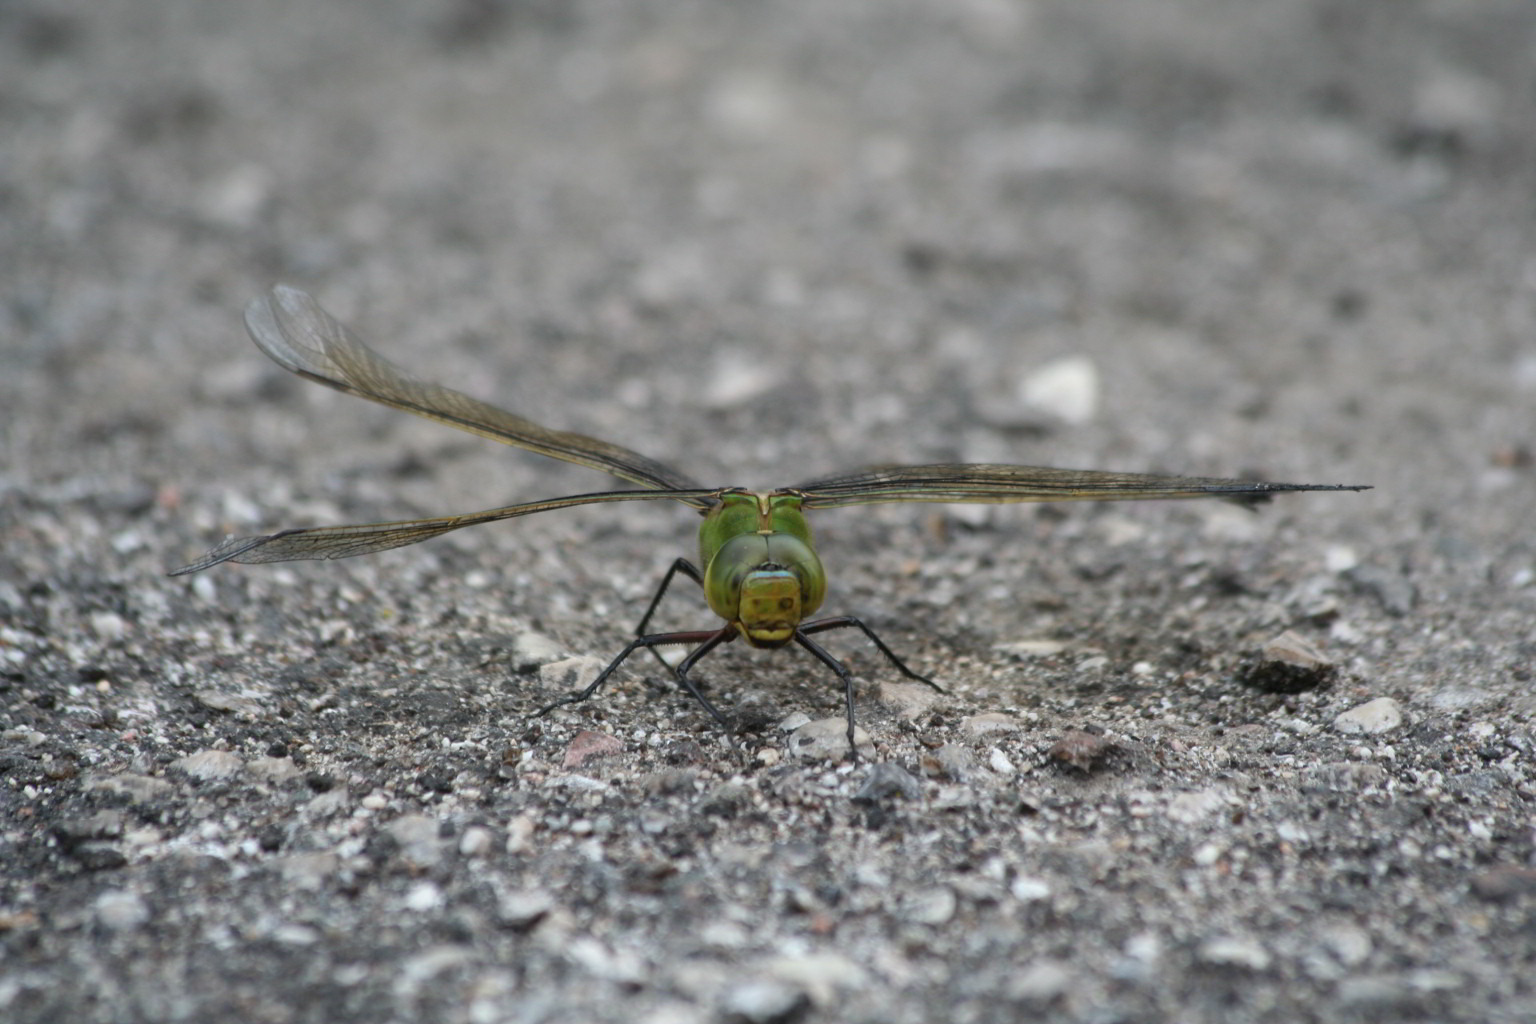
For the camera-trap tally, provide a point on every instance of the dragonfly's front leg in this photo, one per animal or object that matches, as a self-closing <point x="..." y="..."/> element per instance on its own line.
<point x="843" y="622"/>
<point x="842" y="673"/>
<point x="852" y="621"/>
<point x="687" y="568"/>
<point x="723" y="636"/>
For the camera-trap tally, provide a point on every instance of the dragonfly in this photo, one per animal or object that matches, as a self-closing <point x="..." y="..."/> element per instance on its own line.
<point x="757" y="563"/>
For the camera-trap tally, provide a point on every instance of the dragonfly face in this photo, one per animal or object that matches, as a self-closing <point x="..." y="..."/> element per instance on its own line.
<point x="772" y="599"/>
<point x="760" y="572"/>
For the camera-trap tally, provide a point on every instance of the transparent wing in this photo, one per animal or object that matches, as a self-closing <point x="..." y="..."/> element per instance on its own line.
<point x="291" y="327"/>
<point x="986" y="483"/>
<point x="346" y="541"/>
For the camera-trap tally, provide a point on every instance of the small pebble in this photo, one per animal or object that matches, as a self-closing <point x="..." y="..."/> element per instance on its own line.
<point x="1372" y="718"/>
<point x="821" y="975"/>
<point x="951" y="761"/>
<point x="275" y="770"/>
<point x="988" y="721"/>
<point x="793" y="721"/>
<point x="119" y="910"/>
<point x="826" y="739"/>
<point x="476" y="841"/>
<point x="108" y="625"/>
<point x="1081" y="750"/>
<point x="1288" y="663"/>
<point x="908" y="699"/>
<point x="738" y="379"/>
<point x="888" y="781"/>
<point x="587" y="745"/>
<point x="418" y="839"/>
<point x="1031" y="648"/>
<point x="1234" y="952"/>
<point x="1385" y="994"/>
<point x="422" y="897"/>
<point x="1042" y="982"/>
<point x="1188" y="808"/>
<point x="1392" y="590"/>
<point x="209" y="765"/>
<point x="531" y="650"/>
<point x="230" y="703"/>
<point x="523" y="909"/>
<point x="308" y="871"/>
<point x="1458" y="697"/>
<point x="669" y="781"/>
<point x="1343" y="777"/>
<point x="764" y="1002"/>
<point x="1294" y="649"/>
<point x="1066" y="389"/>
<point x="1029" y="889"/>
<point x="138" y="789"/>
<point x="1504" y="882"/>
<point x="1340" y="558"/>
<point x="571" y="673"/>
<point x="935" y="905"/>
<point x="291" y="934"/>
<point x="1350" y="945"/>
<point x="106" y="824"/>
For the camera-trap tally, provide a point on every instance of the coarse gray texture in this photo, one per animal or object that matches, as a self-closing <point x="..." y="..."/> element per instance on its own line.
<point x="767" y="240"/>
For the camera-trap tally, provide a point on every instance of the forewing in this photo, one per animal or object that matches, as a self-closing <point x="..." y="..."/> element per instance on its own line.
<point x="291" y="327"/>
<point x="986" y="483"/>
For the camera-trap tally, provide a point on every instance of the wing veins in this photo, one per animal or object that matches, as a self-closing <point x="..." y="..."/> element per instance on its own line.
<point x="995" y="483"/>
<point x="326" y="542"/>
<point x="296" y="333"/>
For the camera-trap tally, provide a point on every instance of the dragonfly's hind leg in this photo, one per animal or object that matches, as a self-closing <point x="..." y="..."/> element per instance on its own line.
<point x="707" y="639"/>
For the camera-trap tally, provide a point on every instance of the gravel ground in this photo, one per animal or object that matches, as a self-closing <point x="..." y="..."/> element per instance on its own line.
<point x="1194" y="764"/>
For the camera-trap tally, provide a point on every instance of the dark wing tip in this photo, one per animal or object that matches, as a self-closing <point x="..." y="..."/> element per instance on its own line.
<point x="1263" y="494"/>
<point x="1319" y="487"/>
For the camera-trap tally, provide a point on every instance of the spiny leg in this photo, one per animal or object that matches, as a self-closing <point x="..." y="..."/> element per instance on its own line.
<point x="846" y="621"/>
<point x="687" y="568"/>
<point x="842" y="673"/>
<point x="707" y="638"/>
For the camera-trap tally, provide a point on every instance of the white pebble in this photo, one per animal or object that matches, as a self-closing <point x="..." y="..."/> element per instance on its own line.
<point x="209" y="765"/>
<point x="1233" y="952"/>
<point x="1066" y="388"/>
<point x="119" y="910"/>
<point x="1373" y="717"/>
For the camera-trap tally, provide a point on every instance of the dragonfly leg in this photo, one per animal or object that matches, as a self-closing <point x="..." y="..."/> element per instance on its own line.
<point x="709" y="638"/>
<point x="687" y="568"/>
<point x="842" y="673"/>
<point x="847" y="621"/>
<point x="723" y="636"/>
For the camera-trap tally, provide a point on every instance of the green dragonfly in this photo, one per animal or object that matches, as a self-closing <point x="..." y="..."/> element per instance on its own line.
<point x="760" y="572"/>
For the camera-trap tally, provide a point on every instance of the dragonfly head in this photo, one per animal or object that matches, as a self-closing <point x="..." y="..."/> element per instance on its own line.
<point x="770" y="607"/>
<point x="765" y="584"/>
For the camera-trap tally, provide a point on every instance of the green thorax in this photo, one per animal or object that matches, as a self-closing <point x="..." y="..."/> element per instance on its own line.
<point x="761" y="573"/>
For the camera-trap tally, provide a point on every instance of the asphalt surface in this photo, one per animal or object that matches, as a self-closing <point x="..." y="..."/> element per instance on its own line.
<point x="1194" y="763"/>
